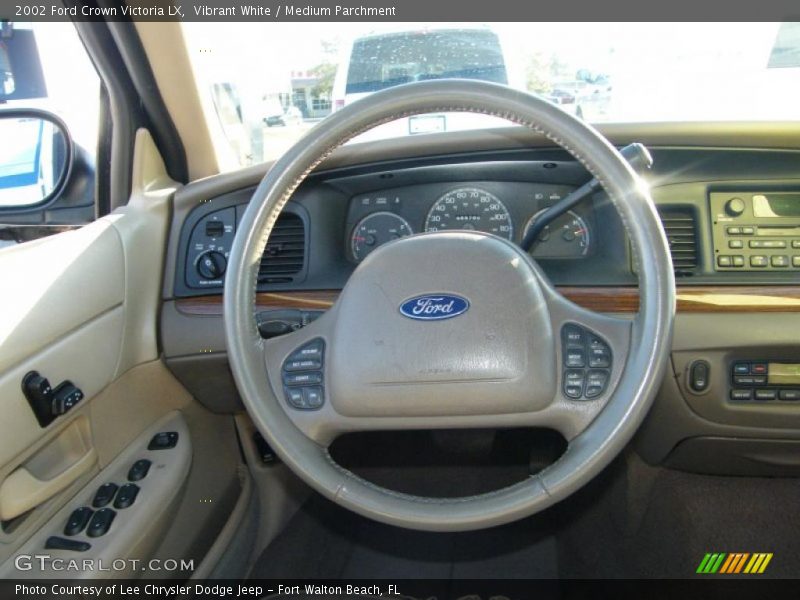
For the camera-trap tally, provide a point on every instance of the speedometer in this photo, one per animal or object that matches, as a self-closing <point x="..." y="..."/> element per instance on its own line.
<point x="472" y="209"/>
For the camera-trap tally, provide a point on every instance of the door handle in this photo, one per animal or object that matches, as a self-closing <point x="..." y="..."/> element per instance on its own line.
<point x="22" y="491"/>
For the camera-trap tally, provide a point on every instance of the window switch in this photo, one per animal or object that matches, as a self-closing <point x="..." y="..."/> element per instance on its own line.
<point x="78" y="520"/>
<point x="58" y="543"/>
<point x="127" y="495"/>
<point x="101" y="522"/>
<point x="163" y="441"/>
<point x="139" y="470"/>
<point x="104" y="494"/>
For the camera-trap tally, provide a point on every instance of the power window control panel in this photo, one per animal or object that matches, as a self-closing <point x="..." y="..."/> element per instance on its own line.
<point x="139" y="470"/>
<point x="163" y="440"/>
<point x="587" y="362"/>
<point x="55" y="542"/>
<point x="303" y="376"/>
<point x="78" y="520"/>
<point x="101" y="522"/>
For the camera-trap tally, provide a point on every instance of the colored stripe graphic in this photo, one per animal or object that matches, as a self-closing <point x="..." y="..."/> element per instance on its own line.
<point x="734" y="563"/>
<point x="711" y="562"/>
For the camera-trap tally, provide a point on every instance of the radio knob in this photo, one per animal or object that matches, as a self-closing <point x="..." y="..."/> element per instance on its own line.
<point x="735" y="207"/>
<point x="211" y="265"/>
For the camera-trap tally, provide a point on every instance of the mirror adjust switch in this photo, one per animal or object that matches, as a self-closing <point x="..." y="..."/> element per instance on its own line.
<point x="65" y="397"/>
<point x="58" y="543"/>
<point x="104" y="494"/>
<point x="127" y="495"/>
<point x="163" y="440"/>
<point x="139" y="470"/>
<point x="101" y="522"/>
<point x="78" y="520"/>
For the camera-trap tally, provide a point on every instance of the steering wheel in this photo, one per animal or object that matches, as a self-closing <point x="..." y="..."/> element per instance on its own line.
<point x="451" y="330"/>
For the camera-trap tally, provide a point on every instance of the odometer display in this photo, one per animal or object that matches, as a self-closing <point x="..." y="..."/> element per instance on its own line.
<point x="377" y="229"/>
<point x="472" y="209"/>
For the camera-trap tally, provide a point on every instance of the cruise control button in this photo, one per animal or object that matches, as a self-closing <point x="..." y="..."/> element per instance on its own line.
<point x="306" y="364"/>
<point x="311" y="378"/>
<point x="312" y="397"/>
<point x="766" y="394"/>
<point x="294" y="396"/>
<point x="312" y="351"/>
<point x="741" y="395"/>
<point x="78" y="520"/>
<point x="104" y="494"/>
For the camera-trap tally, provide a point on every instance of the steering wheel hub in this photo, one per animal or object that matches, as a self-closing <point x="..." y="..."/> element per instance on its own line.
<point x="497" y="356"/>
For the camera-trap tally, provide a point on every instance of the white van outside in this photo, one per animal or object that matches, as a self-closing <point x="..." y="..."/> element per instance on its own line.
<point x="379" y="61"/>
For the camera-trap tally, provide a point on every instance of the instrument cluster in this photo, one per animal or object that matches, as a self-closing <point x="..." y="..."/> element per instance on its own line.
<point x="504" y="209"/>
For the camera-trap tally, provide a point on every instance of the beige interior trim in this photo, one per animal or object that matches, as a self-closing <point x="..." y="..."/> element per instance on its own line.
<point x="22" y="490"/>
<point x="165" y="47"/>
<point x="142" y="225"/>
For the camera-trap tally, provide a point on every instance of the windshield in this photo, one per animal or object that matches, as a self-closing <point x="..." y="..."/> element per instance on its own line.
<point x="381" y="61"/>
<point x="264" y="85"/>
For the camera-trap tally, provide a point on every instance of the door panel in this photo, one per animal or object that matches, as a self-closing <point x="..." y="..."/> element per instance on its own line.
<point x="82" y="306"/>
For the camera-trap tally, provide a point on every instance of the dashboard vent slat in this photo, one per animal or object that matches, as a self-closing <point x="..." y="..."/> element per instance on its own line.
<point x="285" y="253"/>
<point x="681" y="228"/>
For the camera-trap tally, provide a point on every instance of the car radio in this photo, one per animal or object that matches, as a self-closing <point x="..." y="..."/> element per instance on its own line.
<point x="756" y="231"/>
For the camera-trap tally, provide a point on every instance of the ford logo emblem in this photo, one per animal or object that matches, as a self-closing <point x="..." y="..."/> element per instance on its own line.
<point x="434" y="307"/>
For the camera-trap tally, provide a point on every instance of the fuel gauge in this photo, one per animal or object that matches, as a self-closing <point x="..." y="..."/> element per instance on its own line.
<point x="566" y="237"/>
<point x="375" y="230"/>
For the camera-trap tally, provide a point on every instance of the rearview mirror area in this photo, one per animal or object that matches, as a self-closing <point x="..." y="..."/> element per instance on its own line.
<point x="35" y="157"/>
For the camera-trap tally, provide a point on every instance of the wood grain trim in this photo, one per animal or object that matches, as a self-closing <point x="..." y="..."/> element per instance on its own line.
<point x="698" y="299"/>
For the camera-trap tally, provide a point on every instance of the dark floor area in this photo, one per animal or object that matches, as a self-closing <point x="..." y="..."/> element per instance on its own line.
<point x="634" y="521"/>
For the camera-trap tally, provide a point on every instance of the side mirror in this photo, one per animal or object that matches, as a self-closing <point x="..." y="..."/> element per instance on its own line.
<point x="35" y="157"/>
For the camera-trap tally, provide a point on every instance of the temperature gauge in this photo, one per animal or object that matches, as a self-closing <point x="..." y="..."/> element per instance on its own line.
<point x="566" y="237"/>
<point x="377" y="229"/>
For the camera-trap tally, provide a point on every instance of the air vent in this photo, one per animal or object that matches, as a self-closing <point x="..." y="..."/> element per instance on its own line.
<point x="681" y="229"/>
<point x="285" y="253"/>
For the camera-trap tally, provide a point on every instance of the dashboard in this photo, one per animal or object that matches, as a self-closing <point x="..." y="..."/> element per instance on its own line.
<point x="731" y="215"/>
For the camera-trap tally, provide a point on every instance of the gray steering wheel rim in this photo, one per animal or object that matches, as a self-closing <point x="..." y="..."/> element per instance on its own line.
<point x="589" y="452"/>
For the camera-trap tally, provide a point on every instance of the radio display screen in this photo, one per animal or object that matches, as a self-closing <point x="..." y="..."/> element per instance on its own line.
<point x="784" y="374"/>
<point x="776" y="205"/>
